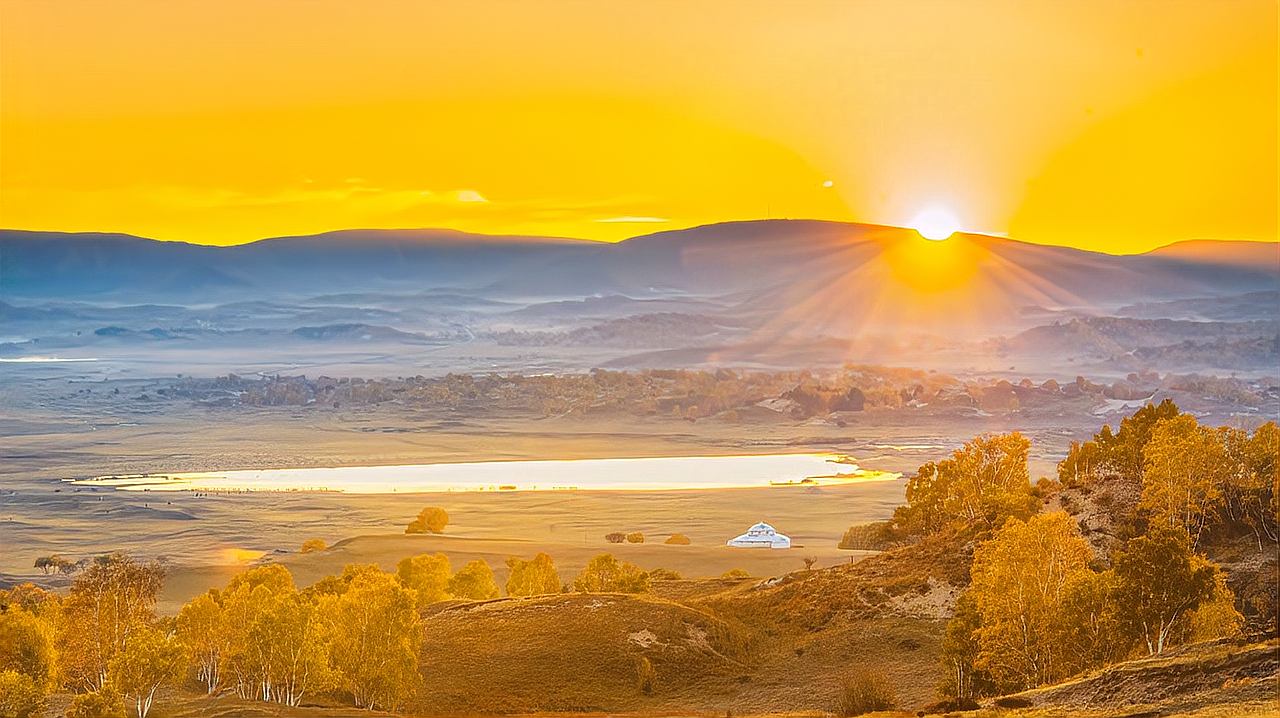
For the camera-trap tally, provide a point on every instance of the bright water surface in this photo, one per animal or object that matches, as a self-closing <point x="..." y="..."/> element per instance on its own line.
<point x="651" y="474"/>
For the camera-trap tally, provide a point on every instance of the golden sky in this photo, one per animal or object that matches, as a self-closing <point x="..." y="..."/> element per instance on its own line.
<point x="1115" y="126"/>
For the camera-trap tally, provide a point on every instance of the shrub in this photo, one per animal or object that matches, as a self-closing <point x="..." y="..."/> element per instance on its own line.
<point x="635" y="537"/>
<point x="615" y="537"/>
<point x="662" y="574"/>
<point x="865" y="692"/>
<point x="20" y="696"/>
<point x="604" y="574"/>
<point x="736" y="573"/>
<point x="431" y="520"/>
<point x="877" y="536"/>
<point x="645" y="675"/>
<point x="101" y="704"/>
<point x="313" y="545"/>
<point x="677" y="540"/>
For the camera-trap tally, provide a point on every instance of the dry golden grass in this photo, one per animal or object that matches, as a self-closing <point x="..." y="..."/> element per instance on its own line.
<point x="574" y="653"/>
<point x="1215" y="678"/>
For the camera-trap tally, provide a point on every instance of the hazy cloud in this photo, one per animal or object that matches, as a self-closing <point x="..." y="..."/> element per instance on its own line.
<point x="470" y="195"/>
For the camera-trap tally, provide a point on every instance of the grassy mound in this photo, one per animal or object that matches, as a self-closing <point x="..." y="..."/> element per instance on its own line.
<point x="573" y="653"/>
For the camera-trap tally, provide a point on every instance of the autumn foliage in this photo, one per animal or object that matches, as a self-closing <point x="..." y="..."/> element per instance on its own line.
<point x="430" y="520"/>
<point x="980" y="486"/>
<point x="1041" y="607"/>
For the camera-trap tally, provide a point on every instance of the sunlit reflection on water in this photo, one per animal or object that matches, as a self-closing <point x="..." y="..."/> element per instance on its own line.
<point x="651" y="474"/>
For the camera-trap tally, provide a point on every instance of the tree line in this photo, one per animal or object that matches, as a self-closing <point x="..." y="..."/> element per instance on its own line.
<point x="1042" y="605"/>
<point x="355" y="634"/>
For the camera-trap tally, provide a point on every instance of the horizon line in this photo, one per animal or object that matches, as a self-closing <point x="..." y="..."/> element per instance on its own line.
<point x="989" y="235"/>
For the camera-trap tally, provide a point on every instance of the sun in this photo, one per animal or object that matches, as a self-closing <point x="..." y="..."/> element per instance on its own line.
<point x="936" y="223"/>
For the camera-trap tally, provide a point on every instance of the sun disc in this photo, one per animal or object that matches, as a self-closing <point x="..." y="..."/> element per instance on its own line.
<point x="936" y="223"/>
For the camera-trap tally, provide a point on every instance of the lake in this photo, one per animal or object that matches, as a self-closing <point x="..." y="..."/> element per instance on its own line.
<point x="641" y="474"/>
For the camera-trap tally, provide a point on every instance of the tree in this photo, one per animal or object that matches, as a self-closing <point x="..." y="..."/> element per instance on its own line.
<point x="677" y="540"/>
<point x="635" y="537"/>
<point x="1249" y="495"/>
<point x="1157" y="582"/>
<point x="1183" y="465"/>
<point x="376" y="637"/>
<point x="431" y="520"/>
<point x="26" y="646"/>
<point x="1019" y="577"/>
<point x="203" y="630"/>
<point x="1216" y="617"/>
<point x="960" y="649"/>
<point x="985" y="482"/>
<point x="108" y="602"/>
<point x="604" y="574"/>
<point x="426" y="575"/>
<point x="615" y="537"/>
<point x="276" y="647"/>
<point x="20" y="696"/>
<point x="1090" y="629"/>
<point x="30" y="598"/>
<point x="1119" y="455"/>
<point x="474" y="582"/>
<point x="337" y="585"/>
<point x="313" y="545"/>
<point x="148" y="661"/>
<point x="299" y="661"/>
<point x="532" y="578"/>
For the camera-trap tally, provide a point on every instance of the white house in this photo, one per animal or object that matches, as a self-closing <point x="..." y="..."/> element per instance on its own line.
<point x="762" y="535"/>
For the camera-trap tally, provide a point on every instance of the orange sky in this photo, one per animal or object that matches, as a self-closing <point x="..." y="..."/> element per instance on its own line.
<point x="1116" y="126"/>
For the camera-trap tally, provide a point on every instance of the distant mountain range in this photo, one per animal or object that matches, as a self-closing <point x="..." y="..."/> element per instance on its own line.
<point x="720" y="258"/>
<point x="777" y="292"/>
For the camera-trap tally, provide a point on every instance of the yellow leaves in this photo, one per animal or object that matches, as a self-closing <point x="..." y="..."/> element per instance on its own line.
<point x="376" y="636"/>
<point x="311" y="545"/>
<point x="149" y="660"/>
<point x="430" y="520"/>
<point x="109" y="601"/>
<point x="982" y="484"/>
<point x="605" y="573"/>
<point x="1182" y="463"/>
<point x="426" y="575"/>
<point x="474" y="582"/>
<point x="1018" y="581"/>
<point x="1217" y="617"/>
<point x="201" y="627"/>
<point x="26" y="645"/>
<point x="274" y="577"/>
<point x="532" y="578"/>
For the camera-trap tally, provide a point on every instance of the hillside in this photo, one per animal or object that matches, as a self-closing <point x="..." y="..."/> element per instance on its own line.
<point x="1213" y="678"/>
<point x="749" y="646"/>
